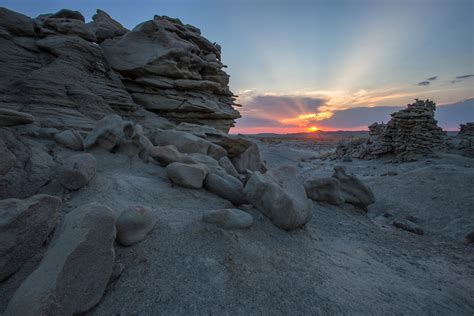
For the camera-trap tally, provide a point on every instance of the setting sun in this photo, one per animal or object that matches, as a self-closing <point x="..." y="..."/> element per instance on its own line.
<point x="313" y="129"/>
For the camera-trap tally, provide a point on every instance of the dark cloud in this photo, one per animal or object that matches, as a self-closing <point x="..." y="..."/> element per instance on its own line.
<point x="249" y="121"/>
<point x="432" y="78"/>
<point x="423" y="83"/>
<point x="464" y="76"/>
<point x="275" y="108"/>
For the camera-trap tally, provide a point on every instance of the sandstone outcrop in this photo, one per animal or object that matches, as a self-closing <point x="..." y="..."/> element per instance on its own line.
<point x="280" y="196"/>
<point x="466" y="136"/>
<point x="75" y="270"/>
<point x="228" y="218"/>
<point x="134" y="224"/>
<point x="10" y="118"/>
<point x="25" y="226"/>
<point x="104" y="27"/>
<point x="410" y="132"/>
<point x="170" y="69"/>
<point x="225" y="186"/>
<point x="70" y="139"/>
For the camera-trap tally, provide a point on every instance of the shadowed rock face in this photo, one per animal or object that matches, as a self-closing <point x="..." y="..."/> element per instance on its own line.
<point x="53" y="68"/>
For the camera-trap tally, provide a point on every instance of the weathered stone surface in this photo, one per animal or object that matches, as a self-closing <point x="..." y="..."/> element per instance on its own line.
<point x="225" y="186"/>
<point x="352" y="189"/>
<point x="70" y="139"/>
<point x="135" y="142"/>
<point x="186" y="175"/>
<point x="466" y="136"/>
<point x="7" y="159"/>
<point x="324" y="190"/>
<point x="168" y="154"/>
<point x="408" y="226"/>
<point x="170" y="70"/>
<point x="134" y="224"/>
<point x="187" y="143"/>
<point x="228" y="218"/>
<point x="77" y="171"/>
<point x="409" y="133"/>
<point x="16" y="24"/>
<point x="225" y="163"/>
<point x="108" y="133"/>
<point x="75" y="270"/>
<point x="250" y="160"/>
<point x="279" y="196"/>
<point x="12" y="118"/>
<point x="104" y="27"/>
<point x="67" y="22"/>
<point x="24" y="227"/>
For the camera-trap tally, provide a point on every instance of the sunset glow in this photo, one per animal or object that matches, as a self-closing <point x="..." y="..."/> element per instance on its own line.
<point x="313" y="129"/>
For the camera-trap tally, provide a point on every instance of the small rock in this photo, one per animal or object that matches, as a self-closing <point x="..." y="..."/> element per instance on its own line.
<point x="186" y="175"/>
<point x="225" y="186"/>
<point x="469" y="239"/>
<point x="387" y="215"/>
<point x="228" y="218"/>
<point x="346" y="158"/>
<point x="134" y="224"/>
<point x="324" y="190"/>
<point x="70" y="139"/>
<point x="353" y="190"/>
<point x="408" y="226"/>
<point x="77" y="171"/>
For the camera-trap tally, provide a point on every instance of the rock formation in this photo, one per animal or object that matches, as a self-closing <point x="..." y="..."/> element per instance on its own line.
<point x="134" y="224"/>
<point x="410" y="132"/>
<point x="466" y="136"/>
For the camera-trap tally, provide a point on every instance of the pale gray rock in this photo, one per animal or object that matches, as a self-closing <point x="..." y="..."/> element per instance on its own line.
<point x="16" y="24"/>
<point x="280" y="196"/>
<point x="135" y="142"/>
<point x="186" y="175"/>
<point x="168" y="154"/>
<point x="104" y="27"/>
<point x="10" y="118"/>
<point x="75" y="270"/>
<point x="228" y="218"/>
<point x="225" y="163"/>
<point x="250" y="159"/>
<point x="225" y="186"/>
<point x="324" y="190"/>
<point x="187" y="143"/>
<point x="7" y="159"/>
<point x="67" y="26"/>
<point x="77" y="171"/>
<point x="108" y="133"/>
<point x="70" y="139"/>
<point x="134" y="224"/>
<point x="353" y="190"/>
<point x="25" y="225"/>
<point x="68" y="14"/>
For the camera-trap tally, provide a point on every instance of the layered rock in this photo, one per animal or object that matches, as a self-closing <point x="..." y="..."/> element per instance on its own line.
<point x="410" y="132"/>
<point x="170" y="69"/>
<point x="466" y="136"/>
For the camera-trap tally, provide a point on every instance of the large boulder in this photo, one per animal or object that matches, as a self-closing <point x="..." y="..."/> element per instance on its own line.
<point x="108" y="133"/>
<point x="186" y="175"/>
<point x="135" y="142"/>
<point x="77" y="171"/>
<point x="353" y="190"/>
<point x="70" y="139"/>
<point x="280" y="196"/>
<point x="7" y="159"/>
<point x="231" y="218"/>
<point x="225" y="186"/>
<point x="104" y="27"/>
<point x="16" y="24"/>
<point x="187" y="143"/>
<point x="10" y="118"/>
<point x="168" y="154"/>
<point x="75" y="270"/>
<point x="25" y="225"/>
<point x="250" y="159"/>
<point x="227" y="165"/>
<point x="324" y="190"/>
<point x="134" y="224"/>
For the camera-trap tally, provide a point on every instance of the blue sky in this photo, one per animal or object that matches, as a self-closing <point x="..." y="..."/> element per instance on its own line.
<point x="348" y="54"/>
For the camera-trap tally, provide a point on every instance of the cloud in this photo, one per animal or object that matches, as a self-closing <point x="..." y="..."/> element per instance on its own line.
<point x="464" y="76"/>
<point x="423" y="83"/>
<point x="432" y="78"/>
<point x="249" y="121"/>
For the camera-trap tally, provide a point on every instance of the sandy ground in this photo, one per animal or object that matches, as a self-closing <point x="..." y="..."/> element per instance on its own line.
<point x="343" y="261"/>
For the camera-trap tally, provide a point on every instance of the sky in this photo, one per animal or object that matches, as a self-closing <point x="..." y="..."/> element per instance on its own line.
<point x="297" y="65"/>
